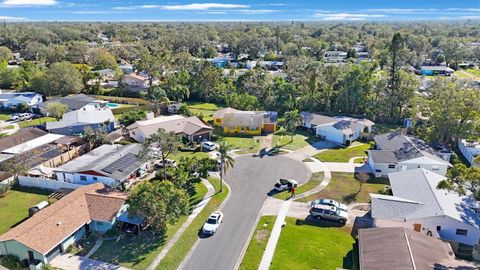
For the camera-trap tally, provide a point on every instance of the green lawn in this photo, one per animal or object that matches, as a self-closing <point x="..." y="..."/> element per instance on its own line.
<point x="139" y="252"/>
<point x="207" y="109"/>
<point x="5" y="116"/>
<point x="14" y="206"/>
<point x="305" y="246"/>
<point x="36" y="122"/>
<point x="257" y="245"/>
<point x="181" y="248"/>
<point x="300" y="139"/>
<point x="343" y="154"/>
<point x="314" y="181"/>
<point x="380" y="128"/>
<point x="247" y="143"/>
<point x="475" y="72"/>
<point x="177" y="155"/>
<point x="345" y="188"/>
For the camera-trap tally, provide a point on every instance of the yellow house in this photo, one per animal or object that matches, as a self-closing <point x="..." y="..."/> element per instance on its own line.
<point x="245" y="122"/>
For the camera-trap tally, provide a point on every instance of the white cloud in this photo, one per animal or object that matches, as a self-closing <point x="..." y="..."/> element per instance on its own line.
<point x="464" y="9"/>
<point x="347" y="16"/>
<point x="402" y="10"/>
<point x="8" y="18"/>
<point x="29" y="2"/>
<point x="150" y="6"/>
<point x="256" y="11"/>
<point x="203" y="6"/>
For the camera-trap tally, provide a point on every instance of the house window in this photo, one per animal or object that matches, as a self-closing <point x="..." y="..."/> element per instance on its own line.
<point x="418" y="166"/>
<point x="391" y="166"/>
<point x="461" y="232"/>
<point x="83" y="178"/>
<point x="435" y="168"/>
<point x="95" y="178"/>
<point x="439" y="228"/>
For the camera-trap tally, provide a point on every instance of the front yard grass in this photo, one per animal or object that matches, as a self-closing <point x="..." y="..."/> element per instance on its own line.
<point x="177" y="155"/>
<point x="36" y="122"/>
<point x="314" y="181"/>
<point x="245" y="143"/>
<point x="305" y="246"/>
<point x="258" y="243"/>
<point x="181" y="248"/>
<point x="343" y="154"/>
<point x="345" y="188"/>
<point x="14" y="206"/>
<point x="204" y="108"/>
<point x="4" y="116"/>
<point x="301" y="139"/>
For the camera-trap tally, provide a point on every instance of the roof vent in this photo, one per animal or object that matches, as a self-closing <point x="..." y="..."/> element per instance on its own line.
<point x="59" y="223"/>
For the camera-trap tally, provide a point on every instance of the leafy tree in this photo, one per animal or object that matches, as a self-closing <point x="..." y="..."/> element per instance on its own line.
<point x="128" y="118"/>
<point x="159" y="203"/>
<point x="242" y="101"/>
<point x="60" y="79"/>
<point x="14" y="166"/>
<point x="100" y="58"/>
<point x="157" y="96"/>
<point x="285" y="95"/>
<point x="462" y="180"/>
<point x="226" y="161"/>
<point x="56" y="109"/>
<point x="185" y="110"/>
<point x="177" y="85"/>
<point x="256" y="82"/>
<point x="5" y="54"/>
<point x="159" y="146"/>
<point x="293" y="119"/>
<point x="208" y="83"/>
<point x="94" y="138"/>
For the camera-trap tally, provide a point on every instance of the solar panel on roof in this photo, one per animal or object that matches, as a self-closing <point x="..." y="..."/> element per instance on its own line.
<point x="120" y="164"/>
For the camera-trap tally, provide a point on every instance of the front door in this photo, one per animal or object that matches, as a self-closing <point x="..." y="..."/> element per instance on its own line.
<point x="417" y="227"/>
<point x="31" y="257"/>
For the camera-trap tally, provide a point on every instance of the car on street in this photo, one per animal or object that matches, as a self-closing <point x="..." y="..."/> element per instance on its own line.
<point x="327" y="212"/>
<point x="330" y="202"/>
<point x="208" y="146"/>
<point x="168" y="163"/>
<point x="212" y="223"/>
<point x="285" y="184"/>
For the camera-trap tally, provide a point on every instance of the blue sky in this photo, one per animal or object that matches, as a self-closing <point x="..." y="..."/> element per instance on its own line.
<point x="238" y="10"/>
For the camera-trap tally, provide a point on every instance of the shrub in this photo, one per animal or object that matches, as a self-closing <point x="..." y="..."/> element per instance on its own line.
<point x="4" y="188"/>
<point x="11" y="262"/>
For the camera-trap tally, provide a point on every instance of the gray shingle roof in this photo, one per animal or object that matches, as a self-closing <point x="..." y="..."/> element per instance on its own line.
<point x="403" y="147"/>
<point x="415" y="195"/>
<point x="74" y="102"/>
<point x="346" y="125"/>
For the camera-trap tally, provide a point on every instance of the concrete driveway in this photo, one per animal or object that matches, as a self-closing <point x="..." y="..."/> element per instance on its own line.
<point x="251" y="179"/>
<point x="73" y="262"/>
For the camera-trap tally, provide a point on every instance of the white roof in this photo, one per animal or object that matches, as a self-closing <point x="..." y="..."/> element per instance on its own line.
<point x="27" y="146"/>
<point x="158" y="120"/>
<point x="82" y="116"/>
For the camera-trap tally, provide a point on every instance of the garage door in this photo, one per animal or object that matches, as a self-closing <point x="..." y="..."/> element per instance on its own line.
<point x="269" y="128"/>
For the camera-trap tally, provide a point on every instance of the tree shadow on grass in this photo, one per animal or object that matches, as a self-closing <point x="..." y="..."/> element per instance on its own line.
<point x="350" y="198"/>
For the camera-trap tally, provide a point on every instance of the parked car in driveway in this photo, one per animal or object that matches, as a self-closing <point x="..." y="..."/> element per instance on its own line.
<point x="285" y="184"/>
<point x="330" y="202"/>
<point x="207" y="146"/>
<point x="130" y="229"/>
<point x="168" y="163"/>
<point x="327" y="212"/>
<point x="213" y="222"/>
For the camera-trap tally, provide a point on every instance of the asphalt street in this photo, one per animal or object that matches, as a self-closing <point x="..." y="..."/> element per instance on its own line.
<point x="251" y="179"/>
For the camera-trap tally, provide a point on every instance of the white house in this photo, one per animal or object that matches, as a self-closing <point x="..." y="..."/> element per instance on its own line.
<point x="14" y="99"/>
<point x="397" y="152"/>
<point x="75" y="122"/>
<point x="470" y="150"/>
<point x="136" y="81"/>
<point x="417" y="204"/>
<point x="113" y="165"/>
<point x="339" y="129"/>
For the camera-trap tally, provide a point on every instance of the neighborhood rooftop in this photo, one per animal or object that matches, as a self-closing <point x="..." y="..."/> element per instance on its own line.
<point x="114" y="161"/>
<point x="46" y="229"/>
<point x="345" y="124"/>
<point x="74" y="102"/>
<point x="415" y="195"/>
<point x="174" y="123"/>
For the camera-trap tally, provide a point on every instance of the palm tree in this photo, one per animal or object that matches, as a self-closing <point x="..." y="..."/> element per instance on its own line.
<point x="293" y="119"/>
<point x="226" y="161"/>
<point x="157" y="96"/>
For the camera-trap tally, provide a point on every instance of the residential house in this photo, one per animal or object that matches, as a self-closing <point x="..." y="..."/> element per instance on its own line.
<point x="112" y="165"/>
<point x="190" y="128"/>
<point x="136" y="81"/>
<point x="470" y="150"/>
<point x="106" y="74"/>
<point x="126" y="68"/>
<point x="436" y="70"/>
<point x="335" y="56"/>
<point x="246" y="122"/>
<point x="218" y="62"/>
<point x="73" y="102"/>
<point x="338" y="129"/>
<point x="74" y="123"/>
<point x="397" y="152"/>
<point x="52" y="230"/>
<point x="11" y="100"/>
<point x="416" y="203"/>
<point x="405" y="249"/>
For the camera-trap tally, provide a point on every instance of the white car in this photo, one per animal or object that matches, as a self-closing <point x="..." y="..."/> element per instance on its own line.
<point x="285" y="184"/>
<point x="213" y="222"/>
<point x="330" y="202"/>
<point x="208" y="146"/>
<point x="168" y="162"/>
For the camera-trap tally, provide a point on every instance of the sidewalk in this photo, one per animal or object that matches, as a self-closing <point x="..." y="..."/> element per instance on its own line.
<point x="191" y="217"/>
<point x="73" y="262"/>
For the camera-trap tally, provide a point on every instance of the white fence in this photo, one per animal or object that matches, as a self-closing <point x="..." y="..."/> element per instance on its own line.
<point x="44" y="183"/>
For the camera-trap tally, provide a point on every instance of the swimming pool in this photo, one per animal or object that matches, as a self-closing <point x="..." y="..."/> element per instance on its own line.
<point x="112" y="105"/>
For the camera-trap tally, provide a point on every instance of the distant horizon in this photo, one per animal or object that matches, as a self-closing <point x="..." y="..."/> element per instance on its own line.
<point x="237" y="11"/>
